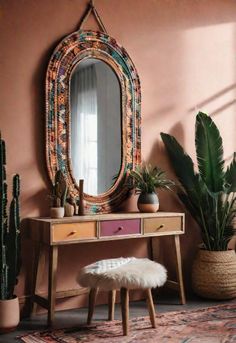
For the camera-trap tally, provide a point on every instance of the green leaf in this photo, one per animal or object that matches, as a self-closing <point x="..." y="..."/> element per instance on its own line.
<point x="183" y="166"/>
<point x="193" y="210"/>
<point x="147" y="179"/>
<point x="210" y="195"/>
<point x="230" y="175"/>
<point x="209" y="151"/>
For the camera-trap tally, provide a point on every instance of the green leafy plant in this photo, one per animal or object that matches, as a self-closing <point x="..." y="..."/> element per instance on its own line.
<point x="59" y="190"/>
<point x="209" y="194"/>
<point x="146" y="179"/>
<point x="9" y="231"/>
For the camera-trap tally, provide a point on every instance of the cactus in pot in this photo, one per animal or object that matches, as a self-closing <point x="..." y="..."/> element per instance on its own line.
<point x="59" y="195"/>
<point x="9" y="245"/>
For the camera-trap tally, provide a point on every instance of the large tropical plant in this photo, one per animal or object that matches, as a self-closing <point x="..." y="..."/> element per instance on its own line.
<point x="209" y="193"/>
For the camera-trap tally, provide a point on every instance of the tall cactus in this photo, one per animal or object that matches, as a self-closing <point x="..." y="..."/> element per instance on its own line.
<point x="3" y="221"/>
<point x="9" y="231"/>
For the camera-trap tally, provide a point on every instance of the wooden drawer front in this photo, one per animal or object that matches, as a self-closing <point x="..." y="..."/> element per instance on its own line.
<point x="120" y="227"/>
<point x="154" y="225"/>
<point x="72" y="231"/>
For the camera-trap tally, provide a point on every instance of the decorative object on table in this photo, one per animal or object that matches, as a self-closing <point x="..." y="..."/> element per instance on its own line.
<point x="212" y="324"/>
<point x="59" y="194"/>
<point x="209" y="195"/>
<point x="69" y="207"/>
<point x="146" y="179"/>
<point x="9" y="248"/>
<point x="124" y="274"/>
<point x="81" y="197"/>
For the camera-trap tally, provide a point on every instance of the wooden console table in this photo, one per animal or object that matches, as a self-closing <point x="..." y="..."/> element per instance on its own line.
<point x="52" y="233"/>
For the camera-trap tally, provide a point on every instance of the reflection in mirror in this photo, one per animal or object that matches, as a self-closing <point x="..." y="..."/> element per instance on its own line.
<point x="96" y="131"/>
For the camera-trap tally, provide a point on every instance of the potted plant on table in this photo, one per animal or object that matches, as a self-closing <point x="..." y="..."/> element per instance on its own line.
<point x="9" y="248"/>
<point x="146" y="179"/>
<point x="58" y="196"/>
<point x="209" y="196"/>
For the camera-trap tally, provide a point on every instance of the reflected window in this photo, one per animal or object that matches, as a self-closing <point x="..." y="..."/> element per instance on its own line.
<point x="95" y="125"/>
<point x="84" y="126"/>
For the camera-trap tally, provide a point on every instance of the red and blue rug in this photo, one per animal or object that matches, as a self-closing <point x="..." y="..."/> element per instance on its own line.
<point x="209" y="325"/>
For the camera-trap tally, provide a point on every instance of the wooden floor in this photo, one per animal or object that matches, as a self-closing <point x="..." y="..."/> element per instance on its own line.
<point x="71" y="318"/>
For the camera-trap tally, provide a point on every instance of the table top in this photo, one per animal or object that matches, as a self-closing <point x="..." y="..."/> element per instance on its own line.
<point x="108" y="216"/>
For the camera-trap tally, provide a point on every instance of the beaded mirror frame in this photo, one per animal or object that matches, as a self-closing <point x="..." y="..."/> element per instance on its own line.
<point x="72" y="50"/>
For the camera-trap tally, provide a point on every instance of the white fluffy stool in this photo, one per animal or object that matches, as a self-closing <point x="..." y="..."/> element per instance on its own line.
<point x="124" y="274"/>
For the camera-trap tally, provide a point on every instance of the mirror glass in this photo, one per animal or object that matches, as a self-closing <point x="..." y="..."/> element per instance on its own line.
<point x="95" y="100"/>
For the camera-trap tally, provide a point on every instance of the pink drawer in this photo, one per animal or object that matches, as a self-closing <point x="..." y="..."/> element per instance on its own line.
<point x="120" y="227"/>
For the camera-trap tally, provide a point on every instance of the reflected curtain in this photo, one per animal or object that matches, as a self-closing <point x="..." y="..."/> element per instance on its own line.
<point x="84" y="127"/>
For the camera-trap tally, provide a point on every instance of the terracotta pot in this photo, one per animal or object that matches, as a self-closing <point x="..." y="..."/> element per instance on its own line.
<point x="148" y="202"/>
<point x="9" y="315"/>
<point x="214" y="274"/>
<point x="57" y="212"/>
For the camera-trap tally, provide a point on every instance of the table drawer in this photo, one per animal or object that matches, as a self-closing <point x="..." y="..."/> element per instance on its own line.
<point x="120" y="227"/>
<point x="73" y="231"/>
<point x="167" y="224"/>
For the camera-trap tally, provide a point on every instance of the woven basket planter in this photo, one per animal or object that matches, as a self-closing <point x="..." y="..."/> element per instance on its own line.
<point x="214" y="274"/>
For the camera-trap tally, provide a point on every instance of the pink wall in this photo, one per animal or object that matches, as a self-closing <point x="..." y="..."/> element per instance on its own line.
<point x="185" y="55"/>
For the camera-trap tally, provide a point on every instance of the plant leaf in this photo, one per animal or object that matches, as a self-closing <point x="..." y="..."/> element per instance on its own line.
<point x="210" y="195"/>
<point x="183" y="166"/>
<point x="230" y="175"/>
<point x="209" y="151"/>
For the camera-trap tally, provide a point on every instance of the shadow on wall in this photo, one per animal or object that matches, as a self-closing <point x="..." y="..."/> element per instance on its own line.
<point x="216" y="97"/>
<point x="41" y="197"/>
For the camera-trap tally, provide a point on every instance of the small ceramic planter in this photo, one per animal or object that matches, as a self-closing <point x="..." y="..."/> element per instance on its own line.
<point x="9" y="315"/>
<point x="57" y="212"/>
<point x="148" y="202"/>
<point x="69" y="210"/>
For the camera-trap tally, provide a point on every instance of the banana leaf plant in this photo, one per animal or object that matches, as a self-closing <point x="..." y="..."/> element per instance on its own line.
<point x="209" y="193"/>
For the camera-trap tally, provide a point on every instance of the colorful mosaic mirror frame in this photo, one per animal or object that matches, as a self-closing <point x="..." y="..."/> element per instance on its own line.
<point x="71" y="50"/>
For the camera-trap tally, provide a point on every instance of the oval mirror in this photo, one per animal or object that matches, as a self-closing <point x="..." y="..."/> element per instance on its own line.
<point x="93" y="118"/>
<point x="95" y="100"/>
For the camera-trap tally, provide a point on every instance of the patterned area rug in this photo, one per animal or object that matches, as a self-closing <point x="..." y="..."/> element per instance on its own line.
<point x="210" y="325"/>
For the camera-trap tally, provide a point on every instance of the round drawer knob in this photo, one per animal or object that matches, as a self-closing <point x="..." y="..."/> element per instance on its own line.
<point x="120" y="228"/>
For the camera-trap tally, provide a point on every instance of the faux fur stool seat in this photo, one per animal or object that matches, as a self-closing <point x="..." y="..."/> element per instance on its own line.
<point x="124" y="274"/>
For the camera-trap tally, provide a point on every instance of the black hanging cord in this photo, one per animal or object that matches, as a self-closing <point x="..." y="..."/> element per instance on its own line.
<point x="92" y="10"/>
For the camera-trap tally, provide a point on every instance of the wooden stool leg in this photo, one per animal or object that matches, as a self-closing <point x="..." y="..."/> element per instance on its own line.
<point x="111" y="304"/>
<point x="124" y="296"/>
<point x="92" y="299"/>
<point x="151" y="308"/>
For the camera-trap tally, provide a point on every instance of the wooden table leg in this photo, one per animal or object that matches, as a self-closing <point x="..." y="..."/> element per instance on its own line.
<point x="124" y="295"/>
<point x="111" y="304"/>
<point x="39" y="268"/>
<point x="52" y="272"/>
<point x="179" y="270"/>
